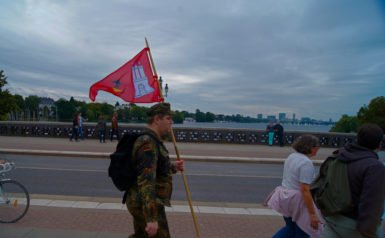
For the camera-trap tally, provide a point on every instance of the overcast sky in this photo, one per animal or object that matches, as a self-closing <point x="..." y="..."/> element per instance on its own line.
<point x="314" y="58"/>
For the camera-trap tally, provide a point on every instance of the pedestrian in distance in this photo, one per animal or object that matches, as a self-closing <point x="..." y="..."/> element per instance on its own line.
<point x="75" y="128"/>
<point x="270" y="133"/>
<point x="366" y="175"/>
<point x="292" y="198"/>
<point x="146" y="200"/>
<point x="114" y="127"/>
<point x="101" y="128"/>
<point x="81" y="120"/>
<point x="278" y="129"/>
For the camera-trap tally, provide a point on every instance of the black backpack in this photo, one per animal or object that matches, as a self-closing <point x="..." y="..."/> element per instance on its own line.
<point x="122" y="168"/>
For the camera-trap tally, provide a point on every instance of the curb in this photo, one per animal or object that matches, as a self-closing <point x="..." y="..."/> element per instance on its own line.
<point x="77" y="202"/>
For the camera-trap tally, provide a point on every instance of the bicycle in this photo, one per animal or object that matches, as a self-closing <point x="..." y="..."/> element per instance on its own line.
<point x="14" y="197"/>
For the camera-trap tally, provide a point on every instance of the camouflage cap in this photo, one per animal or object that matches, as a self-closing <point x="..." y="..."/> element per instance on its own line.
<point x="163" y="108"/>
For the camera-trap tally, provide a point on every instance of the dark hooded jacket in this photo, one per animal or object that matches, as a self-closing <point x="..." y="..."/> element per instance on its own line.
<point x="367" y="184"/>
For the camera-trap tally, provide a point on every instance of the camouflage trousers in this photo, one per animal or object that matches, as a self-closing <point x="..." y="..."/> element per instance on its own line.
<point x="140" y="223"/>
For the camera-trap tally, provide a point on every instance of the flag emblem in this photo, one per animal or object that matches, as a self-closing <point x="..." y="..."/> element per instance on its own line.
<point x="140" y="81"/>
<point x="116" y="86"/>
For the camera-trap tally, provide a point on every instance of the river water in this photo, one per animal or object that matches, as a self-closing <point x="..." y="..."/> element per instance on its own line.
<point x="257" y="126"/>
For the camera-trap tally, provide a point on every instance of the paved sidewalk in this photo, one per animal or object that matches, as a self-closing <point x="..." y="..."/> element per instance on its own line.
<point x="70" y="218"/>
<point x="48" y="222"/>
<point x="188" y="151"/>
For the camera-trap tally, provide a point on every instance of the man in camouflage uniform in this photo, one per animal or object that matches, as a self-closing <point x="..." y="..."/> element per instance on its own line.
<point x="146" y="200"/>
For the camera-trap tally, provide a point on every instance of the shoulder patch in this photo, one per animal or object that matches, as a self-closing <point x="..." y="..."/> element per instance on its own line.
<point x="145" y="143"/>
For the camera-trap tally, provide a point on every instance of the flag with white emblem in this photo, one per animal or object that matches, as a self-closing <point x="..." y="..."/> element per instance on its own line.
<point x="133" y="82"/>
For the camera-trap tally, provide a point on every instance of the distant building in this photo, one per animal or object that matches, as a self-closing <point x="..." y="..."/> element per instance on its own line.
<point x="122" y="106"/>
<point x="282" y="117"/>
<point x="47" y="109"/>
<point x="271" y="118"/>
<point x="46" y="102"/>
<point x="260" y="116"/>
<point x="189" y="119"/>
<point x="306" y="120"/>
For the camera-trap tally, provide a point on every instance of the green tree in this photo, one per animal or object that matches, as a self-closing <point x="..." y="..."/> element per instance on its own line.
<point x="65" y="109"/>
<point x="19" y="101"/>
<point x="20" y="107"/>
<point x="188" y="114"/>
<point x="93" y="111"/>
<point x="123" y="114"/>
<point x="238" y="118"/>
<point x="7" y="101"/>
<point x="32" y="106"/>
<point x="200" y="116"/>
<point x="346" y="124"/>
<point x="138" y="113"/>
<point x="210" y="117"/>
<point x="373" y="113"/>
<point x="107" y="110"/>
<point x="79" y="105"/>
<point x="178" y="117"/>
<point x="68" y="109"/>
<point x="220" y="117"/>
<point x="3" y="80"/>
<point x="7" y="104"/>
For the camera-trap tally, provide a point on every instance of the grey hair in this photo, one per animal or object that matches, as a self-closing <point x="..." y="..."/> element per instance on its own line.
<point x="305" y="143"/>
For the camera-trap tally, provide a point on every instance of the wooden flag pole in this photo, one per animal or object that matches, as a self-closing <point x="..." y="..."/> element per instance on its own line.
<point x="178" y="156"/>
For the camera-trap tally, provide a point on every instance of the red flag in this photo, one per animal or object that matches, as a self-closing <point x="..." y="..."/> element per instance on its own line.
<point x="133" y="82"/>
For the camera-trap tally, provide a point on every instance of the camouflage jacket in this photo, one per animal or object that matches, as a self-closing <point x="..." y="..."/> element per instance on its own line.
<point x="154" y="184"/>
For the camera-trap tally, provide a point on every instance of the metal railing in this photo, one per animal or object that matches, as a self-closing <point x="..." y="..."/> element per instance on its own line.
<point x="196" y="135"/>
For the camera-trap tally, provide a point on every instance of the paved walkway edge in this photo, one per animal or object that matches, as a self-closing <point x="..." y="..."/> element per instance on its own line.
<point x="174" y="208"/>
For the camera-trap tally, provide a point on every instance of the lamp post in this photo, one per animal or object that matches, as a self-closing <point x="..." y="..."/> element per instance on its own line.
<point x="161" y="83"/>
<point x="166" y="89"/>
<point x="161" y="86"/>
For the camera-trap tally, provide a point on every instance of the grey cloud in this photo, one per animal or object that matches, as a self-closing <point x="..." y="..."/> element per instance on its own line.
<point x="314" y="58"/>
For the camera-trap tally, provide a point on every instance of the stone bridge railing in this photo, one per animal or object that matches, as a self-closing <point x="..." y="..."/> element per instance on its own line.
<point x="197" y="135"/>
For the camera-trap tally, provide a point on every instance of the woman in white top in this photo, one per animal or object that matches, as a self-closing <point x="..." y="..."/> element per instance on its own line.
<point x="293" y="198"/>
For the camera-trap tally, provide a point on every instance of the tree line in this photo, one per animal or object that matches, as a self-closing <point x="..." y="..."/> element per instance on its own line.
<point x="374" y="112"/>
<point x="15" y="107"/>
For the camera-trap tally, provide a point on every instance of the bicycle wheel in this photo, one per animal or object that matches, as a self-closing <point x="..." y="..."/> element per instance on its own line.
<point x="14" y="201"/>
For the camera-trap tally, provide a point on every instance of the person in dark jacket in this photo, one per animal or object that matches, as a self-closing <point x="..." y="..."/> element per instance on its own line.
<point x="114" y="127"/>
<point x="278" y="129"/>
<point x="75" y="127"/>
<point x="101" y="129"/>
<point x="367" y="184"/>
